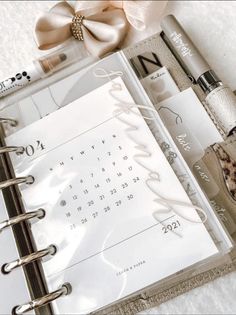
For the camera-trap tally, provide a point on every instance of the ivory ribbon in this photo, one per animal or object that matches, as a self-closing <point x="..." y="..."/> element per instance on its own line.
<point x="104" y="24"/>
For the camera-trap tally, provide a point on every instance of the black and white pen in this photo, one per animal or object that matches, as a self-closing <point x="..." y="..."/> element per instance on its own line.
<point x="42" y="67"/>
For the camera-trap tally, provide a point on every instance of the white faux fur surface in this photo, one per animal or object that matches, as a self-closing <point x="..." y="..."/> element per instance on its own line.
<point x="212" y="26"/>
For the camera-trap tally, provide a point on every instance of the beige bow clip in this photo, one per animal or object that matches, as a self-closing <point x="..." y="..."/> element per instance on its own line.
<point x="100" y="30"/>
<point x="102" y="25"/>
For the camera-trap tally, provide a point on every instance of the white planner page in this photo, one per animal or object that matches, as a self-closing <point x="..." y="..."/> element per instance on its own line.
<point x="117" y="213"/>
<point x="184" y="127"/>
<point x="13" y="286"/>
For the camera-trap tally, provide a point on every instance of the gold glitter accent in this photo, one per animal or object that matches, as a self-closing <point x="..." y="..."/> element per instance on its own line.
<point x="76" y="26"/>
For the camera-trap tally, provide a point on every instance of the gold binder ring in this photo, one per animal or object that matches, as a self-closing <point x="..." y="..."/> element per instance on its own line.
<point x="16" y="181"/>
<point x="18" y="150"/>
<point x="32" y="305"/>
<point x="10" y="121"/>
<point x="40" y="213"/>
<point x="9" y="267"/>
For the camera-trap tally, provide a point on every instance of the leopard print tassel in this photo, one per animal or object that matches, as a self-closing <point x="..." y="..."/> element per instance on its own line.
<point x="228" y="166"/>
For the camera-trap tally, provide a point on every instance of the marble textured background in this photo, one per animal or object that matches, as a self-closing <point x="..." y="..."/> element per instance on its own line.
<point x="212" y="26"/>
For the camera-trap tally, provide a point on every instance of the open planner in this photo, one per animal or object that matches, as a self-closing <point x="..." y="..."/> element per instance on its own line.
<point x="105" y="208"/>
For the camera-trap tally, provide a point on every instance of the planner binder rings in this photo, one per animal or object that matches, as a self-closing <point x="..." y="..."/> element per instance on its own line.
<point x="61" y="276"/>
<point x="38" y="214"/>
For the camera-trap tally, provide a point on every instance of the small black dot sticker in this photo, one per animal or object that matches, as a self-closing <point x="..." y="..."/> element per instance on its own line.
<point x="62" y="203"/>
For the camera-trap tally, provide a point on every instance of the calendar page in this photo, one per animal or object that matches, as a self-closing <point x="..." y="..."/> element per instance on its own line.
<point x="115" y="210"/>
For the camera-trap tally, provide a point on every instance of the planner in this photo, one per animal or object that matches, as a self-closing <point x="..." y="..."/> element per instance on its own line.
<point x="107" y="195"/>
<point x="108" y="207"/>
